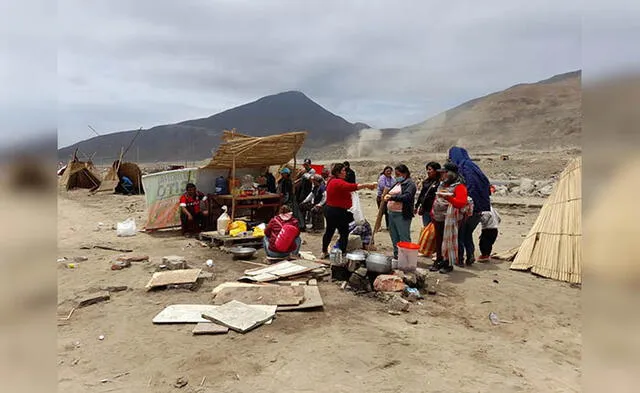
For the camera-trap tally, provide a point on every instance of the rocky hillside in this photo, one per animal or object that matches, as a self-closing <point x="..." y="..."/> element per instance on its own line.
<point x="545" y="115"/>
<point x="195" y="139"/>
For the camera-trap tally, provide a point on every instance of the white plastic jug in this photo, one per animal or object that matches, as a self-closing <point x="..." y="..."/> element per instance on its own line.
<point x="223" y="221"/>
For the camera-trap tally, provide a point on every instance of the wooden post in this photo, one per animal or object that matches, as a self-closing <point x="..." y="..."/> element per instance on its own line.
<point x="381" y="210"/>
<point x="233" y="177"/>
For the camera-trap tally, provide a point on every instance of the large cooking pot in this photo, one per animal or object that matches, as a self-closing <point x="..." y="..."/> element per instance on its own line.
<point x="378" y="263"/>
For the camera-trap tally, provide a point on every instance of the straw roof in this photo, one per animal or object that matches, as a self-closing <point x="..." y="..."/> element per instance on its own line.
<point x="553" y="247"/>
<point x="256" y="152"/>
<point x="79" y="174"/>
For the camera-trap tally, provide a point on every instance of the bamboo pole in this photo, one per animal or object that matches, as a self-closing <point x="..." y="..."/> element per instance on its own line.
<point x="233" y="179"/>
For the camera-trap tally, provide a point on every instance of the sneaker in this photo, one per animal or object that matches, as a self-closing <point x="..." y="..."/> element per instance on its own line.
<point x="484" y="258"/>
<point x="446" y="269"/>
<point x="470" y="261"/>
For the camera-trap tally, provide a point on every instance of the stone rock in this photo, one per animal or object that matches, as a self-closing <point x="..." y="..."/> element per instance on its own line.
<point x="527" y="186"/>
<point x="118" y="288"/>
<point x="410" y="279"/>
<point x="397" y="303"/>
<point x="388" y="283"/>
<point x="174" y="262"/>
<point x="119" y="265"/>
<point x="354" y="243"/>
<point x="359" y="283"/>
<point x="421" y="278"/>
<point x="80" y="259"/>
<point x="412" y="320"/>
<point x="94" y="298"/>
<point x="133" y="258"/>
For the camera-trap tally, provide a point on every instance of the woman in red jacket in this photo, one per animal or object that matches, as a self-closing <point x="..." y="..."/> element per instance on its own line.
<point x="337" y="207"/>
<point x="451" y="198"/>
<point x="282" y="236"/>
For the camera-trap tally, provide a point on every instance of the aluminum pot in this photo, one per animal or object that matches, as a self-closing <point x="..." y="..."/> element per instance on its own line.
<point x="354" y="260"/>
<point x="378" y="263"/>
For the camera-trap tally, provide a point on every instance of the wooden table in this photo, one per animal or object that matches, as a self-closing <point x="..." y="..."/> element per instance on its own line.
<point x="253" y="203"/>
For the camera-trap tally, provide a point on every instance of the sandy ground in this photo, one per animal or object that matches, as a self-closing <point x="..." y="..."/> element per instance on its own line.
<point x="353" y="345"/>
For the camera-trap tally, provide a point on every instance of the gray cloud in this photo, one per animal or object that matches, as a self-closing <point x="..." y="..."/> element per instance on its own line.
<point x="124" y="64"/>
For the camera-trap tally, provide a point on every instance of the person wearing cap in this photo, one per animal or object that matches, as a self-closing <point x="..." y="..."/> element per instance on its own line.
<point x="285" y="186"/>
<point x="313" y="204"/>
<point x="351" y="175"/>
<point x="446" y="214"/>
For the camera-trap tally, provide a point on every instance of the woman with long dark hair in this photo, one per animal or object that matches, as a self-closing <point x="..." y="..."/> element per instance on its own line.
<point x="337" y="207"/>
<point x="400" y="202"/>
<point x="428" y="193"/>
<point x="385" y="180"/>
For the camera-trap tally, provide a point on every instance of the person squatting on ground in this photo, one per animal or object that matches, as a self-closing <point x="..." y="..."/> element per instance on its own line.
<point x="337" y="207"/>
<point x="313" y="204"/>
<point x="386" y="180"/>
<point x="489" y="221"/>
<point x="400" y="201"/>
<point x="428" y="193"/>
<point x="478" y="189"/>
<point x="446" y="215"/>
<point x="282" y="235"/>
<point x="192" y="216"/>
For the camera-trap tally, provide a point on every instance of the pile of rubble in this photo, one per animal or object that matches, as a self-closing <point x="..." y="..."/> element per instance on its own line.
<point x="524" y="187"/>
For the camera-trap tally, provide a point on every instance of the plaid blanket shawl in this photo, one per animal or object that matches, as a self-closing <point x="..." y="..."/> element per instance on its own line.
<point x="451" y="226"/>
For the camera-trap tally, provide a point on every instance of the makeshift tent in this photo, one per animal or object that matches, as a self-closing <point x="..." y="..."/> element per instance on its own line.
<point x="80" y="174"/>
<point x="116" y="171"/>
<point x="553" y="247"/>
<point x="243" y="151"/>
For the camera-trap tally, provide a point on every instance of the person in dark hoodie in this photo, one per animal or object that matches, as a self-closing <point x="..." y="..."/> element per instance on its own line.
<point x="351" y="175"/>
<point x="428" y="193"/>
<point x="400" y="201"/>
<point x="478" y="188"/>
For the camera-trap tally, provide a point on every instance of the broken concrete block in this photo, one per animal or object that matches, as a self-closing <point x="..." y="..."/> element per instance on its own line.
<point x="174" y="262"/>
<point x="388" y="283"/>
<point x="397" y="303"/>
<point x="94" y="298"/>
<point x="362" y="272"/>
<point x="133" y="258"/>
<point x="312" y="281"/>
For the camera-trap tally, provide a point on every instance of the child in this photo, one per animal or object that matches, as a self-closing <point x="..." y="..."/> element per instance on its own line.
<point x="489" y="221"/>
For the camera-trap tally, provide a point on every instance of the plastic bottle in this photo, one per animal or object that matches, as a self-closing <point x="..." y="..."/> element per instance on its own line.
<point x="223" y="221"/>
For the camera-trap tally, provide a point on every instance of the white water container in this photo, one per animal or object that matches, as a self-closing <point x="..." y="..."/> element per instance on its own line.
<point x="223" y="221"/>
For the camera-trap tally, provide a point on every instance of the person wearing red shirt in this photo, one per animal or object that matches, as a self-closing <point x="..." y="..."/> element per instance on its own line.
<point x="192" y="216"/>
<point x="451" y="192"/>
<point x="337" y="207"/>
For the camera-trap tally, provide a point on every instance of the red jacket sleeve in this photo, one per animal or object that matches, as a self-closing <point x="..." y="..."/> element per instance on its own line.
<point x="343" y="185"/>
<point x="459" y="198"/>
<point x="183" y="199"/>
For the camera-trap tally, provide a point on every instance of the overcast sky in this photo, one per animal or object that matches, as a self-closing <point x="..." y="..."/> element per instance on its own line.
<point x="125" y="64"/>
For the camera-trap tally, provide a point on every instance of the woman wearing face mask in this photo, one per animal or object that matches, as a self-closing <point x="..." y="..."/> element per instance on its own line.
<point x="385" y="180"/>
<point x="446" y="215"/>
<point x="428" y="193"/>
<point x="400" y="202"/>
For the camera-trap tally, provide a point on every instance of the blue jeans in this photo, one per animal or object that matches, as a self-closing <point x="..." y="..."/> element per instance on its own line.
<point x="273" y="254"/>
<point x="465" y="237"/>
<point x="400" y="230"/>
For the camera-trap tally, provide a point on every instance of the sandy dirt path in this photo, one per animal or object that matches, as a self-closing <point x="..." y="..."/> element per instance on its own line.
<point x="353" y="345"/>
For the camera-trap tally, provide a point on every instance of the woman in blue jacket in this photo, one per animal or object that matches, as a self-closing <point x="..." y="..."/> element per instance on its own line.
<point x="478" y="189"/>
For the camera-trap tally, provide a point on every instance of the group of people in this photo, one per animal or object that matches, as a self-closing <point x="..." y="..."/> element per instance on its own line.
<point x="454" y="198"/>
